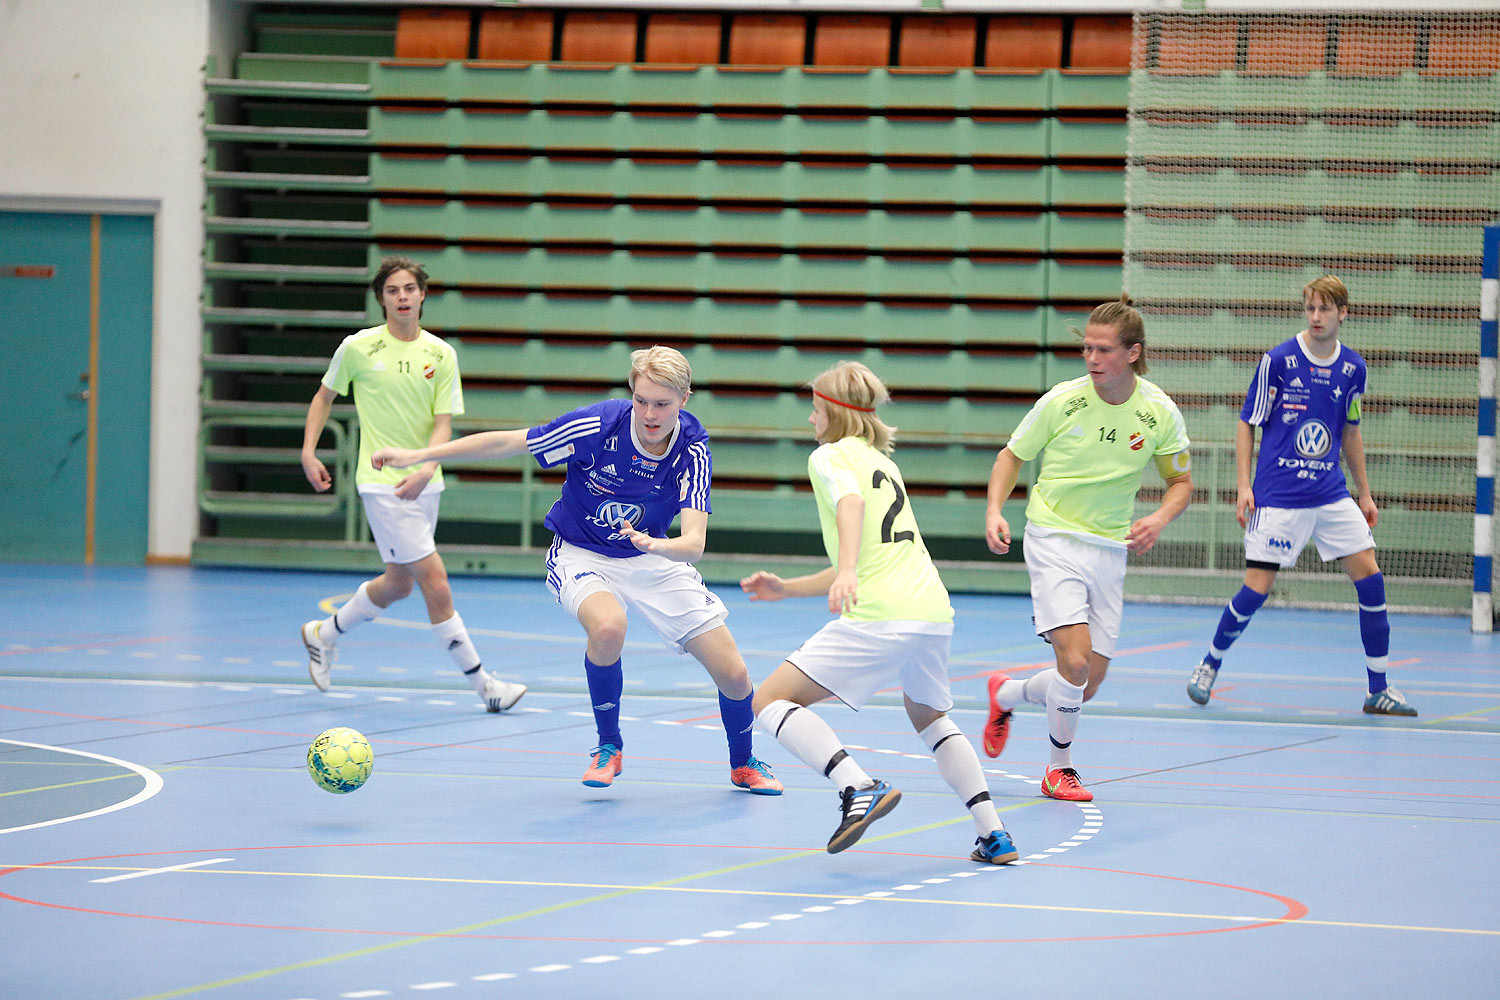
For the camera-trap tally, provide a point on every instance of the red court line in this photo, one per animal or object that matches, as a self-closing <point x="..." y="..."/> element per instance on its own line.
<point x="1295" y="910"/>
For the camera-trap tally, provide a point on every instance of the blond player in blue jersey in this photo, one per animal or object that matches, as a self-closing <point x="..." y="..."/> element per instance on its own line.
<point x="1095" y="435"/>
<point x="406" y="391"/>
<point x="894" y="620"/>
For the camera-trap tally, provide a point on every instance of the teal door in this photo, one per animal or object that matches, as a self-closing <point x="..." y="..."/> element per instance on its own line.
<point x="76" y="350"/>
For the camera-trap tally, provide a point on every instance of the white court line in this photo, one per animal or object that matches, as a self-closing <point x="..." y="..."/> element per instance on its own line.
<point x="158" y="871"/>
<point x="152" y="779"/>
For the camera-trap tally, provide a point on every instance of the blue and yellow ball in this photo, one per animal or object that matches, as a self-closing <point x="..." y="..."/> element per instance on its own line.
<point x="340" y="760"/>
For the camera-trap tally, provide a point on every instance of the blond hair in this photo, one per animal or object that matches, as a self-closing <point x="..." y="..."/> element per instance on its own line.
<point x="1127" y="321"/>
<point x="851" y="392"/>
<point x="1329" y="288"/>
<point x="664" y="366"/>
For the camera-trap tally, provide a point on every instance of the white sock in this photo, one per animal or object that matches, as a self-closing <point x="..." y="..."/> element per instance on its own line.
<point x="455" y="637"/>
<point x="1064" y="705"/>
<point x="356" y="611"/>
<point x="802" y="732"/>
<point x="959" y="765"/>
<point x="1032" y="690"/>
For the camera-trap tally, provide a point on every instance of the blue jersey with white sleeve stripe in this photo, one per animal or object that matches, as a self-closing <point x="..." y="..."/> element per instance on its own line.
<point x="612" y="478"/>
<point x="1302" y="405"/>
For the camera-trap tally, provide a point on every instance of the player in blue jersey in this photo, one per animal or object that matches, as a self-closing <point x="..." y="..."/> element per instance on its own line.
<point x="633" y="466"/>
<point x="1305" y="398"/>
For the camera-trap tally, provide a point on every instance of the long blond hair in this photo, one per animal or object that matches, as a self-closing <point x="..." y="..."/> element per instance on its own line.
<point x="850" y="392"/>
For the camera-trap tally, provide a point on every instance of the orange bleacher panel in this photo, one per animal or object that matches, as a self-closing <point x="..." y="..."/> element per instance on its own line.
<point x="1463" y="46"/>
<point x="1376" y="47"/>
<point x="937" y="41"/>
<point x="1197" y="44"/>
<point x="1101" y="43"/>
<point x="691" y="39"/>
<point x="432" y="34"/>
<point x="598" y="37"/>
<point x="1024" y="43"/>
<point x="1285" y="45"/>
<point x="852" y="40"/>
<point x="767" y="39"/>
<point x="515" y="35"/>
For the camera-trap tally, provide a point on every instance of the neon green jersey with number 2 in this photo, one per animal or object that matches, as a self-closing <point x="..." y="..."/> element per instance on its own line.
<point x="896" y="578"/>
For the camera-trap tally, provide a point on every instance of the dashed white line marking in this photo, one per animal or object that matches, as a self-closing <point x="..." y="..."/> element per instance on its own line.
<point x="549" y="968"/>
<point x="600" y="959"/>
<point x="490" y="977"/>
<point x="431" y="986"/>
<point x="752" y="925"/>
<point x="644" y="950"/>
<point x="717" y="934"/>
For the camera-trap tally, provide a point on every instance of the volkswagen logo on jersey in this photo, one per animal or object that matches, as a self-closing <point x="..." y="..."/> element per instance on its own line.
<point x="1313" y="439"/>
<point x="612" y="512"/>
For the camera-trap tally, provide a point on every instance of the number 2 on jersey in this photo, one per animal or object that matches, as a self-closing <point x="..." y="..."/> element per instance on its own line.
<point x="889" y="520"/>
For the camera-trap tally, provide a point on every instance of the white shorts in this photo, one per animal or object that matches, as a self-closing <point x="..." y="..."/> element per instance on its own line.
<point x="856" y="659"/>
<point x="1279" y="534"/>
<point x="671" y="595"/>
<point x="1076" y="582"/>
<point x="403" y="529"/>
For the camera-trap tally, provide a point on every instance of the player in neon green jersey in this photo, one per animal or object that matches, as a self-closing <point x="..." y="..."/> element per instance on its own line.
<point x="1095" y="435"/>
<point x="406" y="391"/>
<point x="894" y="620"/>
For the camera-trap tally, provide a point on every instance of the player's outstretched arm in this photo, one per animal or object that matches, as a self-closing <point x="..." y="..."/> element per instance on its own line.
<point x="411" y="486"/>
<point x="1003" y="476"/>
<point x="763" y="586"/>
<point x="1244" y="453"/>
<point x="1176" y="469"/>
<point x="686" y="547"/>
<point x="1354" y="457"/>
<point x="849" y="519"/>
<point x="317" y="418"/>
<point x="492" y="445"/>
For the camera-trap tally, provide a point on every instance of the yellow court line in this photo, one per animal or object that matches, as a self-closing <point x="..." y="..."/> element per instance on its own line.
<point x="614" y="890"/>
<point x="75" y="784"/>
<point x="1462" y="715"/>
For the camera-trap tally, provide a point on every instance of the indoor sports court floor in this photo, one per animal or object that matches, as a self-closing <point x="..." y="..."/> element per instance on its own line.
<point x="160" y="836"/>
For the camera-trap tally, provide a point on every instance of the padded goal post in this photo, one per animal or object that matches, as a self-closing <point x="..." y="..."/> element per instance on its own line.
<point x="1265" y="150"/>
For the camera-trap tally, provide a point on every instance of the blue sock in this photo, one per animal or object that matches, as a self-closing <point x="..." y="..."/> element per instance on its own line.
<point x="1232" y="622"/>
<point x="739" y="721"/>
<point x="605" y="686"/>
<point x="1374" y="628"/>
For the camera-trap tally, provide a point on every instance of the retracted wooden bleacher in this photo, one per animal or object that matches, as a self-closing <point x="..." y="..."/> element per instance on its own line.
<point x="937" y="195"/>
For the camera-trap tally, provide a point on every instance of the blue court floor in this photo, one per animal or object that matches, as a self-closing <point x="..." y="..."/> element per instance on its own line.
<point x="160" y="836"/>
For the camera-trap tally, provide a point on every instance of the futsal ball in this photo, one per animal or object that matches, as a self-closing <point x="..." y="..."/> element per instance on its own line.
<point x="340" y="760"/>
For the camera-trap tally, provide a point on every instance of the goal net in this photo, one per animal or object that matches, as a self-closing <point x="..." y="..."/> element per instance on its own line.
<point x="1266" y="150"/>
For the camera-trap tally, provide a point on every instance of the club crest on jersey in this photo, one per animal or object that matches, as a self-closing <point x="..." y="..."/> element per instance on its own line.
<point x="611" y="443"/>
<point x="428" y="371"/>
<point x="610" y="513"/>
<point x="1137" y="441"/>
<point x="1314" y="439"/>
<point x="1348" y="367"/>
